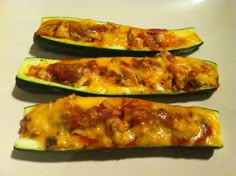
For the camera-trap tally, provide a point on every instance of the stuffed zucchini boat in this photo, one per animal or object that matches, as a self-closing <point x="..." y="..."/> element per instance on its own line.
<point x="91" y="38"/>
<point x="117" y="76"/>
<point x="79" y="123"/>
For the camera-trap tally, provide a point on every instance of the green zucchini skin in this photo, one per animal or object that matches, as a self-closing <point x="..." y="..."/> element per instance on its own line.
<point x="28" y="148"/>
<point x="31" y="84"/>
<point x="35" y="87"/>
<point x="86" y="51"/>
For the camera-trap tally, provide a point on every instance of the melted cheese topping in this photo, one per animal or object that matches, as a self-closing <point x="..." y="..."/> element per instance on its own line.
<point x="77" y="122"/>
<point x="126" y="75"/>
<point x="87" y="32"/>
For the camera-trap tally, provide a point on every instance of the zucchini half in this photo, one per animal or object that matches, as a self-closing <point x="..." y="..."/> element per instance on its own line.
<point x="80" y="123"/>
<point x="91" y="38"/>
<point x="116" y="76"/>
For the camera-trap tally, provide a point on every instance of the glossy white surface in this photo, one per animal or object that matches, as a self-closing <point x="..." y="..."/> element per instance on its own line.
<point x="215" y="22"/>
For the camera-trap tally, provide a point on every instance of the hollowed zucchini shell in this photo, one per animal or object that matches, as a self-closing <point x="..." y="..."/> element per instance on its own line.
<point x="64" y="45"/>
<point x="120" y="83"/>
<point x="55" y="126"/>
